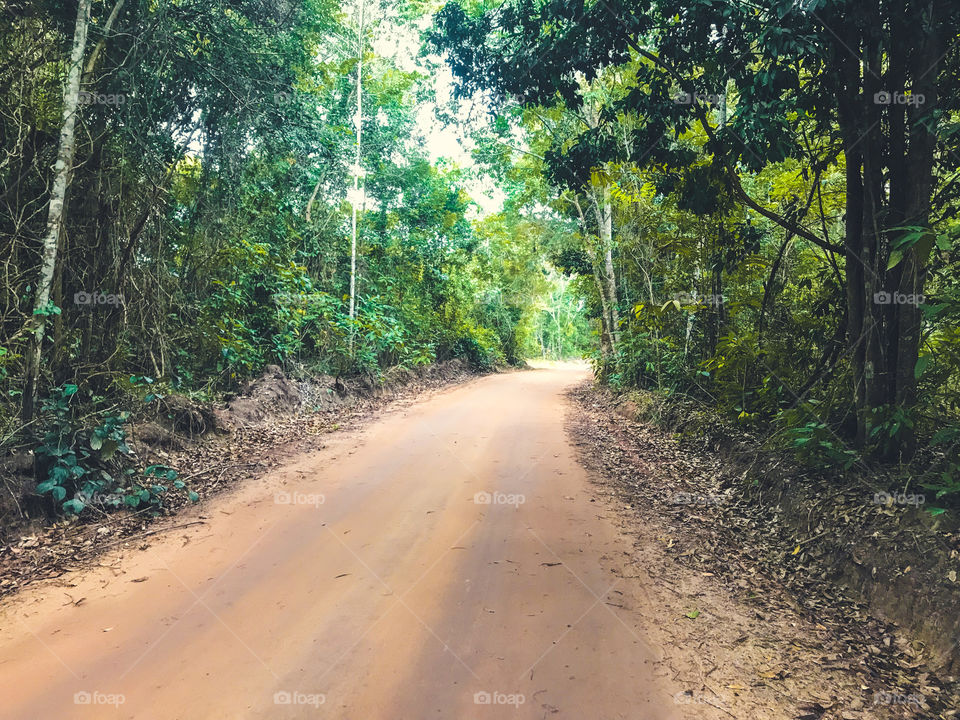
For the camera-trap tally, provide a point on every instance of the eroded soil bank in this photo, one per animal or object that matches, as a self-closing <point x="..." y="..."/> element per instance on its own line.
<point x="867" y="587"/>
<point x="213" y="447"/>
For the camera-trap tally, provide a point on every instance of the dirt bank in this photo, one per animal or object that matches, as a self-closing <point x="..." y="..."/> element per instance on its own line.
<point x="786" y="543"/>
<point x="212" y="447"/>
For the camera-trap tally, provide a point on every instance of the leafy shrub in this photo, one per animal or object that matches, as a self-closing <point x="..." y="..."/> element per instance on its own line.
<point x="944" y="480"/>
<point x="817" y="445"/>
<point x="480" y="347"/>
<point x="92" y="465"/>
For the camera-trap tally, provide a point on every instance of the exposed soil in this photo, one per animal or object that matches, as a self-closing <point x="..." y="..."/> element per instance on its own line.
<point x="450" y="556"/>
<point x="271" y="419"/>
<point x="363" y="579"/>
<point x="760" y="579"/>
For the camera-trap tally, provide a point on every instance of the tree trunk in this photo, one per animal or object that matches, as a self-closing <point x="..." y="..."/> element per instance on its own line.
<point x="604" y="212"/>
<point x="889" y="156"/>
<point x="55" y="215"/>
<point x="611" y="279"/>
<point x="104" y="34"/>
<point x="606" y="343"/>
<point x="918" y="183"/>
<point x="606" y="337"/>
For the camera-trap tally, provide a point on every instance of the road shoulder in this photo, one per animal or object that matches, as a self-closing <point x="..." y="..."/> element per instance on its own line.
<point x="736" y="644"/>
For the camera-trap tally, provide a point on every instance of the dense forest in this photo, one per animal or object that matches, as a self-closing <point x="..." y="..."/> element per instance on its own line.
<point x="753" y="204"/>
<point x="193" y="190"/>
<point x="765" y="197"/>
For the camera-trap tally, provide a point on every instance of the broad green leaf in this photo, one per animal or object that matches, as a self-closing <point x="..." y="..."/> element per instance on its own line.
<point x="73" y="506"/>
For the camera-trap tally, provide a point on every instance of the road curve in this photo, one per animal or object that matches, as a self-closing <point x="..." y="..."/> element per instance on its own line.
<point x="446" y="562"/>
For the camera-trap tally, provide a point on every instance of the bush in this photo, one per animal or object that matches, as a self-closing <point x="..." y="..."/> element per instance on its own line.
<point x="480" y="347"/>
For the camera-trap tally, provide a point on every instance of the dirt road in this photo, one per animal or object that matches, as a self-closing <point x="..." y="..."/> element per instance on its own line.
<point x="449" y="561"/>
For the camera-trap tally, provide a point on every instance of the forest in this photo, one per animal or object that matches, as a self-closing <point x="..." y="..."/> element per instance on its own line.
<point x="751" y="204"/>
<point x="194" y="190"/>
<point x="765" y="200"/>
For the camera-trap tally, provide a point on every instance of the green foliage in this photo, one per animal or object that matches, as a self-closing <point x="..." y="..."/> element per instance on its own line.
<point x="754" y="258"/>
<point x="944" y="477"/>
<point x="480" y="346"/>
<point x="818" y="445"/>
<point x="58" y="447"/>
<point x="91" y="464"/>
<point x="213" y="205"/>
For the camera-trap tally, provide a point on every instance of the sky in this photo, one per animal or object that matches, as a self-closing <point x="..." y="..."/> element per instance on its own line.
<point x="450" y="142"/>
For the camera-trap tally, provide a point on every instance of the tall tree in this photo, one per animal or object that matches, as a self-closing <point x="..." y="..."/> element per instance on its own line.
<point x="869" y="76"/>
<point x="57" y="209"/>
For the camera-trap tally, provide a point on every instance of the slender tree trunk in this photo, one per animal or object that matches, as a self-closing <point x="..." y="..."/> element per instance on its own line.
<point x="104" y="33"/>
<point x="55" y="215"/>
<point x="604" y="212"/>
<point x="606" y="345"/>
<point x="606" y="337"/>
<point x="611" y="277"/>
<point x="356" y="179"/>
<point x="768" y="288"/>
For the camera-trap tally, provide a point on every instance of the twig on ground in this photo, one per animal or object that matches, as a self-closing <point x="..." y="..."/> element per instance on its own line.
<point x="153" y="532"/>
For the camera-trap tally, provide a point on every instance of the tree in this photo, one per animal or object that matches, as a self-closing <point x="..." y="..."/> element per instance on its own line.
<point x="56" y="212"/>
<point x="865" y="80"/>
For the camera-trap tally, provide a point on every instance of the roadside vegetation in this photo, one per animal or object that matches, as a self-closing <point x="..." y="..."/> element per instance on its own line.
<point x="763" y="200"/>
<point x="749" y="205"/>
<point x="186" y="197"/>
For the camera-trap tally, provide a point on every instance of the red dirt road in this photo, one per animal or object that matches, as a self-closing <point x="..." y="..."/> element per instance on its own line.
<point x="368" y="580"/>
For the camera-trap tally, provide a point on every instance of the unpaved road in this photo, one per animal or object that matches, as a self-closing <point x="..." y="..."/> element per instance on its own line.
<point x="399" y="596"/>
